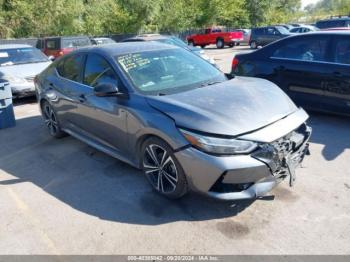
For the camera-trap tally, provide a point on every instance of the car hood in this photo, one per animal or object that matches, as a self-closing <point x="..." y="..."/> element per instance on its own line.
<point x="24" y="70"/>
<point x="233" y="107"/>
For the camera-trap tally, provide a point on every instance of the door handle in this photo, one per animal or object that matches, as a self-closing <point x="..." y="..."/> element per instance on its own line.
<point x="82" y="98"/>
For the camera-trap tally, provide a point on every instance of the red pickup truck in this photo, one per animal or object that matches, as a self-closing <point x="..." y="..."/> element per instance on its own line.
<point x="216" y="36"/>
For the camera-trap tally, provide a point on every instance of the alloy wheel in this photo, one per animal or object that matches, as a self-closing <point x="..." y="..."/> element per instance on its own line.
<point x="160" y="169"/>
<point x="50" y="120"/>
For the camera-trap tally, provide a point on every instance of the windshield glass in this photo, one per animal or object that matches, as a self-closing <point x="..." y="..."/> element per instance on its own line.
<point x="168" y="71"/>
<point x="15" y="56"/>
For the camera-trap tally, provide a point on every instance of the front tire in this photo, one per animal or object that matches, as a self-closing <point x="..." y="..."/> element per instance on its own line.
<point x="162" y="169"/>
<point x="51" y="120"/>
<point x="220" y="43"/>
<point x="191" y="43"/>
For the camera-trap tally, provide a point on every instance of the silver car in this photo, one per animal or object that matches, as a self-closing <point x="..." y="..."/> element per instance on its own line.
<point x="163" y="109"/>
<point x="19" y="64"/>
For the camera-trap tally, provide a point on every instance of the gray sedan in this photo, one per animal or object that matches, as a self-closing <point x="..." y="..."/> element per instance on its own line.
<point x="19" y="64"/>
<point x="163" y="109"/>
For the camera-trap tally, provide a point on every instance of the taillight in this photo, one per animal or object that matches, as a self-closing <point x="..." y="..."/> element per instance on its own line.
<point x="235" y="63"/>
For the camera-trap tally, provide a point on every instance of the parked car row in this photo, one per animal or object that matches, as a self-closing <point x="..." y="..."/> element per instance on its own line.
<point x="261" y="36"/>
<point x="60" y="45"/>
<point x="20" y="63"/>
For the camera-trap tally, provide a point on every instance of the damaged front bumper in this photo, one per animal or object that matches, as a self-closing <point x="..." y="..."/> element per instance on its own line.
<point x="253" y="175"/>
<point x="22" y="89"/>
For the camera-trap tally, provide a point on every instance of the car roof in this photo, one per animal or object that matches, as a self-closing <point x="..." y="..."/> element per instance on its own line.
<point x="126" y="48"/>
<point x="330" y="32"/>
<point x="101" y="38"/>
<point x="66" y="37"/>
<point x="13" y="46"/>
<point x="335" y="19"/>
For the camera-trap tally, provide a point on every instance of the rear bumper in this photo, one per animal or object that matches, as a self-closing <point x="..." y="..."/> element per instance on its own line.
<point x="240" y="176"/>
<point x="236" y="40"/>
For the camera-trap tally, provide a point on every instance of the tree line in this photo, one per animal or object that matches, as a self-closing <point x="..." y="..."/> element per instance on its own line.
<point x="26" y="18"/>
<point x="326" y="8"/>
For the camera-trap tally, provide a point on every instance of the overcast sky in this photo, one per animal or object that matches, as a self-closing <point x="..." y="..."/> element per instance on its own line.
<point x="306" y="2"/>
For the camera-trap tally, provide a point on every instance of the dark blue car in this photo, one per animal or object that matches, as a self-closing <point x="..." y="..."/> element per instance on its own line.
<point x="313" y="69"/>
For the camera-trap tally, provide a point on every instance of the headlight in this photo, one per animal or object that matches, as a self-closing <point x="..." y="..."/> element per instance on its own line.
<point x="222" y="146"/>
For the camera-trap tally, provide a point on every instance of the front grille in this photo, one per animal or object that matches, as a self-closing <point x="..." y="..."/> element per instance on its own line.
<point x="30" y="78"/>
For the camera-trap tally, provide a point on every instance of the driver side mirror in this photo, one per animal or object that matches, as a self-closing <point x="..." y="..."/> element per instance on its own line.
<point x="106" y="89"/>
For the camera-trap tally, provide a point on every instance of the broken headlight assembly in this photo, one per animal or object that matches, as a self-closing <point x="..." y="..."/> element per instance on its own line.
<point x="218" y="145"/>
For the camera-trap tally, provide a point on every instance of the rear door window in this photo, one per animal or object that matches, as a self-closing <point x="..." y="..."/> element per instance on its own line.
<point x="305" y="49"/>
<point x="342" y="51"/>
<point x="272" y="31"/>
<point x="70" y="67"/>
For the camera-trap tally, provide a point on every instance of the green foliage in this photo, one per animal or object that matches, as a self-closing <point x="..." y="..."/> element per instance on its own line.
<point x="24" y="18"/>
<point x="326" y="8"/>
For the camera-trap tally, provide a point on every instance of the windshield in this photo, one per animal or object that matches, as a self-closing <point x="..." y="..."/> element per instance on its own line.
<point x="168" y="71"/>
<point x="15" y="56"/>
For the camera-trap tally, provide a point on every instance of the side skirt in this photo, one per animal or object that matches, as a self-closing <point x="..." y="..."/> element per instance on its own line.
<point x="97" y="145"/>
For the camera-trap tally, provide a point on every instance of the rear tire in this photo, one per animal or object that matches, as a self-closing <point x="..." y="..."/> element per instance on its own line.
<point x="162" y="169"/>
<point x="51" y="120"/>
<point x="220" y="43"/>
<point x="203" y="46"/>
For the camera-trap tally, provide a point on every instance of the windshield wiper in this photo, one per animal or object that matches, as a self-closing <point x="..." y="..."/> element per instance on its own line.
<point x="161" y="94"/>
<point x="210" y="83"/>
